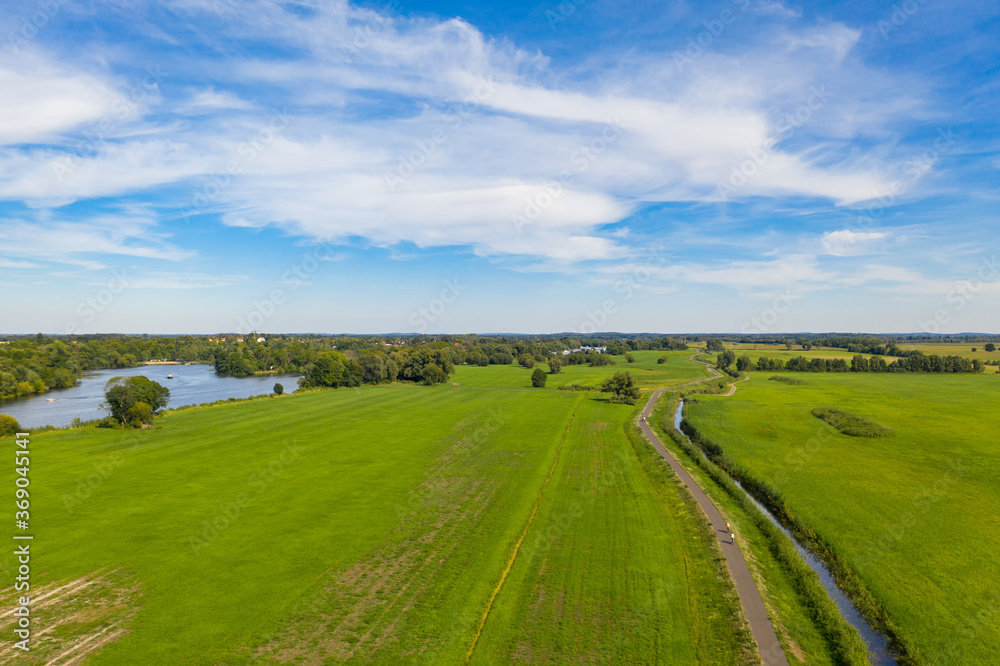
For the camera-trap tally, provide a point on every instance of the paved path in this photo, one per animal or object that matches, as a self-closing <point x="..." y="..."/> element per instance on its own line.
<point x="753" y="605"/>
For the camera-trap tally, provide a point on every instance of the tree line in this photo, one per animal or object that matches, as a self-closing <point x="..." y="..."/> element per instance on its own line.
<point x="916" y="362"/>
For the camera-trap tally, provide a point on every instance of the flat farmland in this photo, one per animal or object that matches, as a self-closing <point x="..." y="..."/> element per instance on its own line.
<point x="368" y="525"/>
<point x="914" y="515"/>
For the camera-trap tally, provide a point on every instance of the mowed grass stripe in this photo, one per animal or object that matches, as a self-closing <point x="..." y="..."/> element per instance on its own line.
<point x="517" y="546"/>
<point x="617" y="567"/>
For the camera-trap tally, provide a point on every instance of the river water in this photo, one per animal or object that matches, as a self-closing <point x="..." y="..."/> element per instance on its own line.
<point x="191" y="385"/>
<point x="878" y="647"/>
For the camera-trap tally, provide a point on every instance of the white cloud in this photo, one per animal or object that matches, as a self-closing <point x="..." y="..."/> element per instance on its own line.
<point x="71" y="242"/>
<point x="165" y="280"/>
<point x="323" y="173"/>
<point x="848" y="243"/>
<point x="42" y="99"/>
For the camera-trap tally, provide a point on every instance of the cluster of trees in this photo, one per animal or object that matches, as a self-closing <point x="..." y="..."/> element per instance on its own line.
<point x="617" y="347"/>
<point x="335" y="369"/>
<point x="917" y="362"/>
<point x="133" y="401"/>
<point x="592" y="358"/>
<point x="622" y="387"/>
<point x="878" y="345"/>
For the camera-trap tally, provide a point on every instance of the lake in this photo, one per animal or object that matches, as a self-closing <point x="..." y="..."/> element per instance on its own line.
<point x="191" y="385"/>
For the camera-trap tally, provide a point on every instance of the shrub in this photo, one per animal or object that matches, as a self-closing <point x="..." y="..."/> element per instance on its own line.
<point x="786" y="380"/>
<point x="852" y="424"/>
<point x="538" y="378"/>
<point x="9" y="425"/>
<point x="630" y="358"/>
<point x="278" y="389"/>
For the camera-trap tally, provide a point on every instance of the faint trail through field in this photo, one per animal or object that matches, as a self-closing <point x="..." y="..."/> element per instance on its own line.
<point x="750" y="598"/>
<point x="517" y="546"/>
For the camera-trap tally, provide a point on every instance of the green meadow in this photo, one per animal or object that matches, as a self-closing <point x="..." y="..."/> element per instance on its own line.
<point x="615" y="566"/>
<point x="914" y="515"/>
<point x="376" y="525"/>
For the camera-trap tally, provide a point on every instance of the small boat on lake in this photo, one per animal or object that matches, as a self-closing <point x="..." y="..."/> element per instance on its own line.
<point x="169" y="376"/>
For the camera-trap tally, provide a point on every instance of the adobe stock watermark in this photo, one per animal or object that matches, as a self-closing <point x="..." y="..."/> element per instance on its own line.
<point x="425" y="494"/>
<point x="741" y="174"/>
<point x="769" y="316"/>
<point x="257" y="484"/>
<point x="714" y="28"/>
<point x="293" y="279"/>
<point x="88" y="485"/>
<point x="365" y="33"/>
<point x="96" y="136"/>
<point x="899" y="16"/>
<point x="579" y="162"/>
<point x="563" y="11"/>
<point x="914" y="169"/>
<point x="630" y="283"/>
<point x="921" y="503"/>
<point x="28" y="30"/>
<point x="960" y="295"/>
<point x="247" y="152"/>
<point x="424" y="316"/>
<point x="90" y="307"/>
<point x="425" y="148"/>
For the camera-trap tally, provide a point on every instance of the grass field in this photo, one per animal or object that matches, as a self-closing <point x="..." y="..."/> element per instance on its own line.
<point x="647" y="372"/>
<point x="914" y="515"/>
<point x="613" y="568"/>
<point x="373" y="525"/>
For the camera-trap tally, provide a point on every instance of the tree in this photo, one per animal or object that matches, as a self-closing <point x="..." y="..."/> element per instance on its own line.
<point x="8" y="425"/>
<point x="726" y="359"/>
<point x="278" y="389"/>
<point x="743" y="363"/>
<point x="555" y="365"/>
<point x="433" y="374"/>
<point x="662" y="359"/>
<point x="714" y="345"/>
<point x="526" y="360"/>
<point x="630" y="358"/>
<point x="538" y="378"/>
<point x="623" y="388"/>
<point x="134" y="400"/>
<point x="990" y="347"/>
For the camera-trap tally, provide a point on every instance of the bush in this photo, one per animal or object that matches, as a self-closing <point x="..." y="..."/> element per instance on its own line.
<point x="555" y="365"/>
<point x="9" y="425"/>
<point x="852" y="424"/>
<point x="433" y="374"/>
<point x="786" y="380"/>
<point x="140" y="414"/>
<point x="278" y="389"/>
<point x="630" y="358"/>
<point x="538" y="378"/>
<point x="526" y="360"/>
<point x="662" y="359"/>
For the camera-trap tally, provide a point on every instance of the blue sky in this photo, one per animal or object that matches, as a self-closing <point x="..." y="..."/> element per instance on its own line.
<point x="740" y="166"/>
